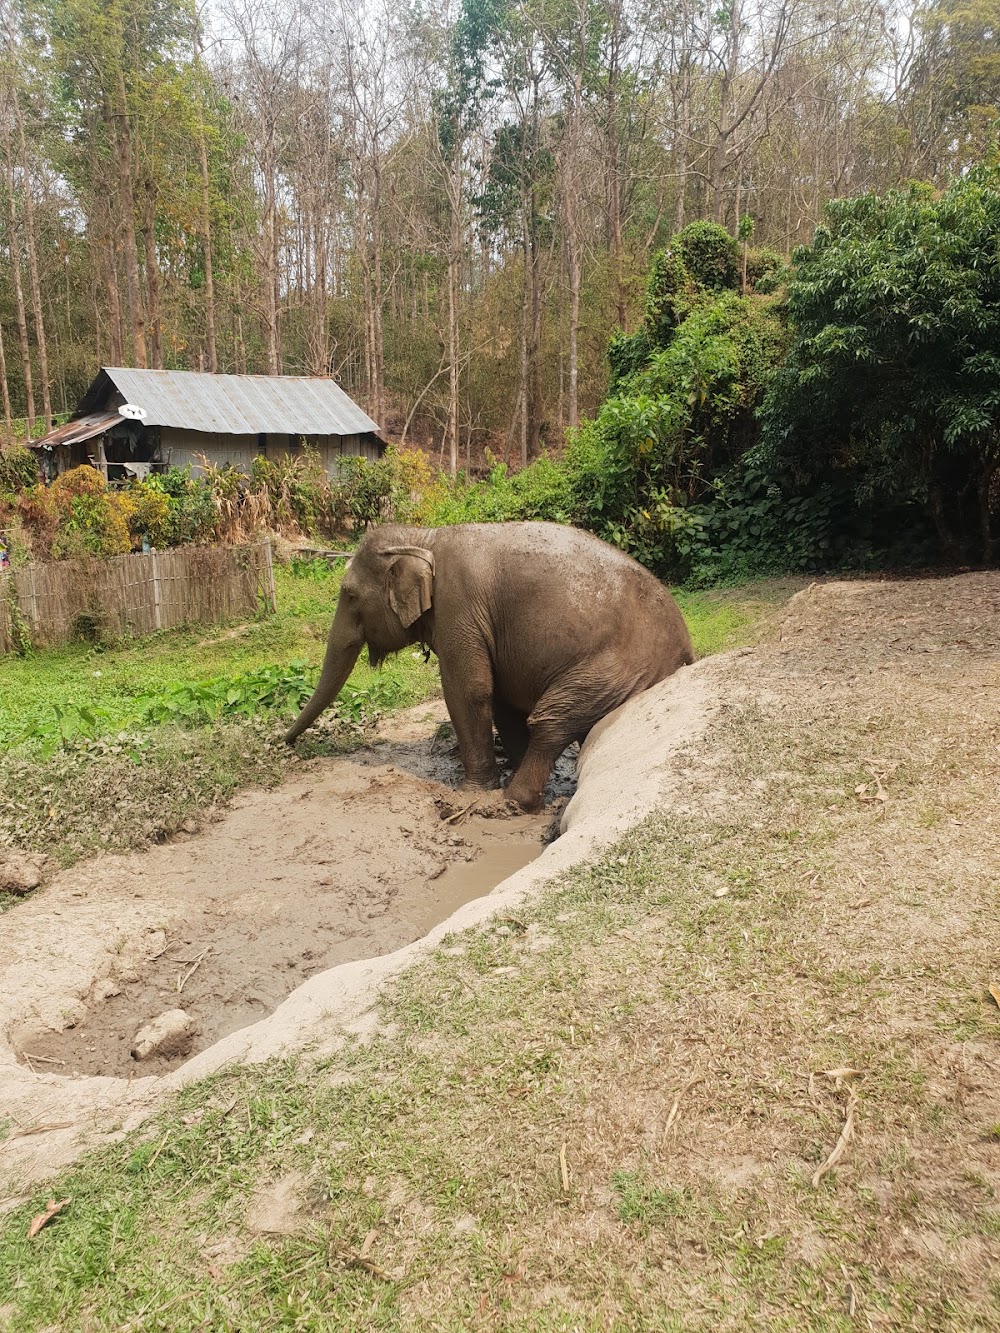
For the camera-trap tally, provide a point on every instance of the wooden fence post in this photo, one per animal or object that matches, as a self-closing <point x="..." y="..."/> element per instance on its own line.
<point x="34" y="599"/>
<point x="157" y="613"/>
<point x="269" y="569"/>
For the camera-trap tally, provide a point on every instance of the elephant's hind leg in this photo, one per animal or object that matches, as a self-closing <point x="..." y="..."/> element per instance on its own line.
<point x="549" y="735"/>
<point x="512" y="728"/>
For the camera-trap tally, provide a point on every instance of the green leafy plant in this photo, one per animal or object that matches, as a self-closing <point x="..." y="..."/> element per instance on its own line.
<point x="892" y="382"/>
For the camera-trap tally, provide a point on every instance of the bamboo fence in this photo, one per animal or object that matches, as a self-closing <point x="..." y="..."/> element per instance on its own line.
<point x="131" y="595"/>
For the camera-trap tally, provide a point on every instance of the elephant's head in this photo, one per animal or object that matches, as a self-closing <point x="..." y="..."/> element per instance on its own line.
<point x="386" y="589"/>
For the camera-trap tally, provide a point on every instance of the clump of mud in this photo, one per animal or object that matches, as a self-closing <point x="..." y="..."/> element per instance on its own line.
<point x="347" y="861"/>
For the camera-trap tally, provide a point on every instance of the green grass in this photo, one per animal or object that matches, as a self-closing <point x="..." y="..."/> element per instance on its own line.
<point x="720" y="619"/>
<point x="123" y="781"/>
<point x="113" y="678"/>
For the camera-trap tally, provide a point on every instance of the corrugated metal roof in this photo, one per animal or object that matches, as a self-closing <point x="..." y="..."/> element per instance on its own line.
<point x="78" y="430"/>
<point x="241" y="404"/>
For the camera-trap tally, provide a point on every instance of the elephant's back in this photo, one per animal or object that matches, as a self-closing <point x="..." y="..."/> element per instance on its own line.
<point x="555" y="597"/>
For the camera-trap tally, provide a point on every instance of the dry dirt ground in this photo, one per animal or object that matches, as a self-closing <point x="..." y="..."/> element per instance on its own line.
<point x="739" y="1071"/>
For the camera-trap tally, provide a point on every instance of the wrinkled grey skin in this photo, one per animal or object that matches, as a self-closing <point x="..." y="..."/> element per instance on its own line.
<point x="540" y="630"/>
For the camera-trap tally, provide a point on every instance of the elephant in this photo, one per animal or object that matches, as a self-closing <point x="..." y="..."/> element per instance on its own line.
<point x="540" y="630"/>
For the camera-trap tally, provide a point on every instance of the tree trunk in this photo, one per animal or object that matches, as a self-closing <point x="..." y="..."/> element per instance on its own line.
<point x="15" y="273"/>
<point x="152" y="277"/>
<point x="33" y="278"/>
<point x="535" y="342"/>
<point x="987" y="545"/>
<point x="378" y="296"/>
<point x="206" y="244"/>
<point x="127" y="226"/>
<point x="454" y="258"/>
<point x="614" y="177"/>
<point x="8" y="419"/>
<point x="116" y="327"/>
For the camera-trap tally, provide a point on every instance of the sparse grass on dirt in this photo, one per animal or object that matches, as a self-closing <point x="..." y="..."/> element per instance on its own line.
<point x="116" y="781"/>
<point x="607" y="1111"/>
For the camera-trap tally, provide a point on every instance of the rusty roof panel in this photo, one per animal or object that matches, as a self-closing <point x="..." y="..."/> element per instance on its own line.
<point x="242" y="404"/>
<point x="78" y="430"/>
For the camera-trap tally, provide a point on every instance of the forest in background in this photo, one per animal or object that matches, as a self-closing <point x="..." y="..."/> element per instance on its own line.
<point x="448" y="207"/>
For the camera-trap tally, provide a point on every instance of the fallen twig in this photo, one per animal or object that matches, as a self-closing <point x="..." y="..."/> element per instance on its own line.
<point x="39" y="1129"/>
<point x="674" y="1110"/>
<point x="847" y="1132"/>
<point x="192" y="969"/>
<point x="564" y="1169"/>
<point x="460" y="814"/>
<point x="355" y="1259"/>
<point x="163" y="1144"/>
<point x="42" y="1059"/>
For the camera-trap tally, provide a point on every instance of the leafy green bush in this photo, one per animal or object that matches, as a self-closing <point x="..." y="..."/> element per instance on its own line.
<point x="711" y="256"/>
<point x="670" y="290"/>
<point x="541" y="491"/>
<point x="657" y="447"/>
<point x="191" y="510"/>
<point x="764" y="269"/>
<point x="892" y="382"/>
<point x="18" y="470"/>
<point x="627" y="353"/>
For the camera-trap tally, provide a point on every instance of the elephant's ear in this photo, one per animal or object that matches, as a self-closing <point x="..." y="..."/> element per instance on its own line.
<point x="411" y="581"/>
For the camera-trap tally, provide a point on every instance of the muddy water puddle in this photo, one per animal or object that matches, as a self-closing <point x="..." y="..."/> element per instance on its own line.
<point x="349" y="860"/>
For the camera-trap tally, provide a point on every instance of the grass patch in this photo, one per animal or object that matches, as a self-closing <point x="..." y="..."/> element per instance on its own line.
<point x="113" y="680"/>
<point x="110" y="747"/>
<point x="724" y="618"/>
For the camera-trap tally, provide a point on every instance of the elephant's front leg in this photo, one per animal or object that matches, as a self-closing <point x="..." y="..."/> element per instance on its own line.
<point x="468" y="693"/>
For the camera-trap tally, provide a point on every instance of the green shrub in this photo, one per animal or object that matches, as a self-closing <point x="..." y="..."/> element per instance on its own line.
<point x="18" y="470"/>
<point x="627" y="354"/>
<point x="191" y="512"/>
<point x="656" y="448"/>
<point x="710" y="255"/>
<point x="541" y="491"/>
<point x="764" y="269"/>
<point x="892" y="383"/>
<point x="670" y="290"/>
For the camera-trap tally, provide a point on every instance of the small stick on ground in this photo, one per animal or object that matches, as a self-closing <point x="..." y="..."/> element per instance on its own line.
<point x="564" y="1169"/>
<point x="46" y="1128"/>
<point x="672" y="1116"/>
<point x="42" y="1059"/>
<point x="163" y="1144"/>
<point x="192" y="969"/>
<point x="459" y="815"/>
<point x="840" y="1147"/>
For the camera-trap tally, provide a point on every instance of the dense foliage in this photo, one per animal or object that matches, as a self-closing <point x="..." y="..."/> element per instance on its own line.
<point x="893" y="378"/>
<point x="658" y="469"/>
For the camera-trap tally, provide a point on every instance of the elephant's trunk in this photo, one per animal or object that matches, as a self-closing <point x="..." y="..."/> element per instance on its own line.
<point x="345" y="642"/>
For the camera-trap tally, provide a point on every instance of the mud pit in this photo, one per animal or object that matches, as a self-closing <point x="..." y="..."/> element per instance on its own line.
<point x="350" y="860"/>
